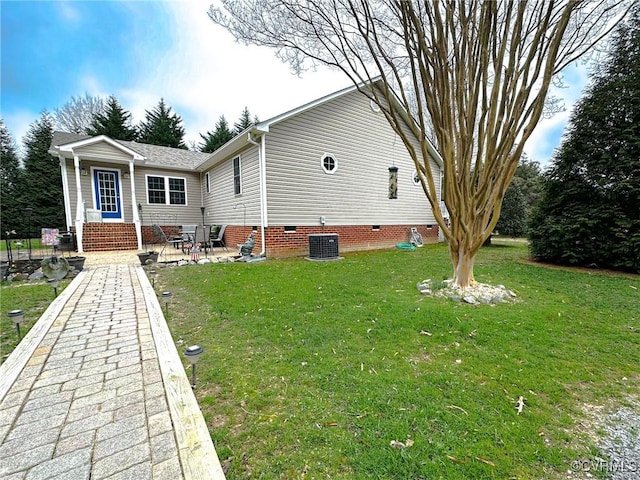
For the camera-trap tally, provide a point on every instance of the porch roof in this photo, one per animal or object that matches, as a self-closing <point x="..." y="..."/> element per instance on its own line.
<point x="141" y="153"/>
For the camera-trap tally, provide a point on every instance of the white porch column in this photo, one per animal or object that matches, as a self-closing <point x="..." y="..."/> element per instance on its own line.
<point x="79" y="204"/>
<point x="68" y="219"/>
<point x="134" y="206"/>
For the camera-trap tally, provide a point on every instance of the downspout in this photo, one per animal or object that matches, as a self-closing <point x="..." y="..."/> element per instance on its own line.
<point x="263" y="188"/>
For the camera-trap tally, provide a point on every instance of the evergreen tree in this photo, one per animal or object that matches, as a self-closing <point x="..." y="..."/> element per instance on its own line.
<point x="513" y="214"/>
<point x="161" y="127"/>
<point x="589" y="213"/>
<point x="529" y="178"/>
<point x="9" y="183"/>
<point x="113" y="121"/>
<point x="41" y="182"/>
<point x="244" y="122"/>
<point x="217" y="138"/>
<point x="520" y="198"/>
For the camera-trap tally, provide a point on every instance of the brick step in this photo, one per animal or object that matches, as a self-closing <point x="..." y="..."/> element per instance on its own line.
<point x="100" y="237"/>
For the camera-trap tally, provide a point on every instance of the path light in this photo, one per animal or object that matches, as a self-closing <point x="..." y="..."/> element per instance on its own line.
<point x="28" y="212"/>
<point x="193" y="355"/>
<point x="152" y="274"/>
<point x="166" y="296"/>
<point x="17" y="316"/>
<point x="55" y="283"/>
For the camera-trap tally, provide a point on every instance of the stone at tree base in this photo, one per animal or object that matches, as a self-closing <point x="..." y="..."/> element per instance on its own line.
<point x="470" y="299"/>
<point x="478" y="294"/>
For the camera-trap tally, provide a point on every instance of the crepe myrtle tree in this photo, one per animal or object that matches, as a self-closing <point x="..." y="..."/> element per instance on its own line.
<point x="475" y="74"/>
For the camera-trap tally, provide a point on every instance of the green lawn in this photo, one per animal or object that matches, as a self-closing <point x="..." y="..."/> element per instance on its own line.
<point x="21" y="244"/>
<point x="311" y="369"/>
<point x="33" y="298"/>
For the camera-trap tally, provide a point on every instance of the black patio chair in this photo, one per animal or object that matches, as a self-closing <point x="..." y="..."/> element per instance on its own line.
<point x="160" y="238"/>
<point x="216" y="238"/>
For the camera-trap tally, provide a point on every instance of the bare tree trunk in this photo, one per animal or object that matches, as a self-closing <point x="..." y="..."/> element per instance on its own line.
<point x="463" y="259"/>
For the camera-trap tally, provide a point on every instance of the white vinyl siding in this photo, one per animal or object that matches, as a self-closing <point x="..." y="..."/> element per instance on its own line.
<point x="102" y="151"/>
<point x="299" y="191"/>
<point x="219" y="205"/>
<point x="169" y="214"/>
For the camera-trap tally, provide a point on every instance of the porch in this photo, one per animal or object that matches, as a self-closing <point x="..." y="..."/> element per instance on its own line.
<point x="103" y="237"/>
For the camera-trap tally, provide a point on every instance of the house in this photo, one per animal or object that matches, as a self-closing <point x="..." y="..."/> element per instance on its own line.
<point x="333" y="165"/>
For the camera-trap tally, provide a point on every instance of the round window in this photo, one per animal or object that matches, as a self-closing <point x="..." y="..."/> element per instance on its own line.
<point x="416" y="178"/>
<point x="329" y="163"/>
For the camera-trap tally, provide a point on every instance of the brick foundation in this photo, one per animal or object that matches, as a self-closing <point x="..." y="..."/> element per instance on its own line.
<point x="280" y="244"/>
<point x="352" y="238"/>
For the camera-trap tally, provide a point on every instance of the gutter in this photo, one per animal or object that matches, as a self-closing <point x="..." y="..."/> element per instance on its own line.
<point x="263" y="187"/>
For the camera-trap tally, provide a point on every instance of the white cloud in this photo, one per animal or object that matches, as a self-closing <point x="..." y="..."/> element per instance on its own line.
<point x="207" y="74"/>
<point x="547" y="135"/>
<point x="68" y="12"/>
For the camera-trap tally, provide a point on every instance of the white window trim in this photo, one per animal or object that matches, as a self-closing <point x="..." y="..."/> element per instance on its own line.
<point x="335" y="162"/>
<point x="415" y="176"/>
<point x="167" y="198"/>
<point x="233" y="171"/>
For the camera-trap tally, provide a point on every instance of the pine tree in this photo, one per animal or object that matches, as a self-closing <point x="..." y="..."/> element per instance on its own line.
<point x="244" y="122"/>
<point x="529" y="178"/>
<point x="513" y="214"/>
<point x="41" y="182"/>
<point x="161" y="127"/>
<point x="114" y="122"/>
<point x="9" y="183"/>
<point x="217" y="138"/>
<point x="590" y="210"/>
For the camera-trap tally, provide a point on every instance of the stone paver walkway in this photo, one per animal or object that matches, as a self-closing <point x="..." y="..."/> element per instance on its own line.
<point x="97" y="390"/>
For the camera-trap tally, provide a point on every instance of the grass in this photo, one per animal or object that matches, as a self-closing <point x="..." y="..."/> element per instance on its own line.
<point x="33" y="298"/>
<point x="312" y="369"/>
<point x="36" y="244"/>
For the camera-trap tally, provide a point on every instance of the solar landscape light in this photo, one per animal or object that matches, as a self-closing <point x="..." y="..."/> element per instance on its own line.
<point x="193" y="355"/>
<point x="166" y="296"/>
<point x="28" y="212"/>
<point x="55" y="283"/>
<point x="152" y="274"/>
<point x="17" y="316"/>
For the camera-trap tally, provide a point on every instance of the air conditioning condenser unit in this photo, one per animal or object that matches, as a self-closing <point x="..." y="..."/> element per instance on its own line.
<point x="323" y="246"/>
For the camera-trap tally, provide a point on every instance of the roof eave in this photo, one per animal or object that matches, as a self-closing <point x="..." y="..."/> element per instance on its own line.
<point x="70" y="147"/>
<point x="235" y="145"/>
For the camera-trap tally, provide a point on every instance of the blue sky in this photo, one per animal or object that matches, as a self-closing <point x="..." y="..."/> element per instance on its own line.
<point x="143" y="50"/>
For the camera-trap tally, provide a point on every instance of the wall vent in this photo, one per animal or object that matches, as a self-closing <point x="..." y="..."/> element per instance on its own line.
<point x="323" y="246"/>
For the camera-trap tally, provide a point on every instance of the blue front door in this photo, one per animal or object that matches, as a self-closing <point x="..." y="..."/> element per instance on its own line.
<point x="107" y="191"/>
